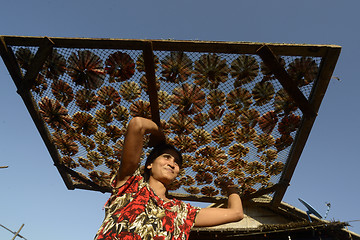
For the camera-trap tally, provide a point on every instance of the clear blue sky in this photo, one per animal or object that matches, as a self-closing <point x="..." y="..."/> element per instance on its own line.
<point x="32" y="191"/>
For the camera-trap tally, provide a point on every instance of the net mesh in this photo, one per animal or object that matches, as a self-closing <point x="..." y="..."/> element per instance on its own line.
<point x="227" y="113"/>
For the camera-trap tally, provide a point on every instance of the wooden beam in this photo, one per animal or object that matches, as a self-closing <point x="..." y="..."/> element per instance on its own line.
<point x="75" y="174"/>
<point x="11" y="64"/>
<point x="326" y="69"/>
<point x="44" y="51"/>
<point x="288" y="84"/>
<point x="151" y="81"/>
<point x="317" y="50"/>
<point x="17" y="233"/>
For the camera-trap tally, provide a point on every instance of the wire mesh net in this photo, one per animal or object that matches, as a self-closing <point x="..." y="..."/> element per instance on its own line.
<point x="227" y="113"/>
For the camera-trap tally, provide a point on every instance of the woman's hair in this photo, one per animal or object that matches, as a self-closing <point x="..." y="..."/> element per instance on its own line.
<point x="157" y="151"/>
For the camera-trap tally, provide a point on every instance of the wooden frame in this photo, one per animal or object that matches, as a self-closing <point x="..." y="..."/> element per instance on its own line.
<point x="267" y="52"/>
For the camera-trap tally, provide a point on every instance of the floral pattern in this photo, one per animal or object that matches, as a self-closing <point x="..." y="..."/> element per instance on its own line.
<point x="134" y="211"/>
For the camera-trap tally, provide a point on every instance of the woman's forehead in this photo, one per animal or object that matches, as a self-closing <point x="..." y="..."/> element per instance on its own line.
<point x="172" y="153"/>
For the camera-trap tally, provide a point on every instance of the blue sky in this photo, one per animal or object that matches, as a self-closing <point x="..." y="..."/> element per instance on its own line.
<point x="32" y="191"/>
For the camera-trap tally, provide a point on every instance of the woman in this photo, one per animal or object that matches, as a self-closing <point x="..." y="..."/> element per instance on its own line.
<point x="139" y="207"/>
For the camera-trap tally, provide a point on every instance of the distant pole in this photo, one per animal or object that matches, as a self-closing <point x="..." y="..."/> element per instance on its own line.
<point x="17" y="232"/>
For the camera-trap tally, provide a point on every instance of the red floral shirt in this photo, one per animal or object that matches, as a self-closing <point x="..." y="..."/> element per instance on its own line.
<point x="134" y="211"/>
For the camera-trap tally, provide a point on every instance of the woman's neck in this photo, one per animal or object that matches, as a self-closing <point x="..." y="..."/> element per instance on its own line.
<point x="158" y="187"/>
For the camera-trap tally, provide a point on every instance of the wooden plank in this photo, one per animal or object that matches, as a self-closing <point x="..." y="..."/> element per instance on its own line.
<point x="11" y="64"/>
<point x="151" y="81"/>
<point x="37" y="64"/>
<point x="288" y="84"/>
<point x="316" y="97"/>
<point x="176" y="45"/>
<point x="14" y="70"/>
<point x="75" y="174"/>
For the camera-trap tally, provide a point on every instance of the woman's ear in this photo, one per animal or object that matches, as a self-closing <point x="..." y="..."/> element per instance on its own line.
<point x="149" y="166"/>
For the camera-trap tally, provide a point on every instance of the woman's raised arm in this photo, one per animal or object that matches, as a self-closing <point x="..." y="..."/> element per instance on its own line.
<point x="133" y="145"/>
<point x="208" y="217"/>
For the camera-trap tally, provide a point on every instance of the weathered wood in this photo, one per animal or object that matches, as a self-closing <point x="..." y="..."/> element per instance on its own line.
<point x="290" y="87"/>
<point x="326" y="69"/>
<point x="175" y="45"/>
<point x="151" y="82"/>
<point x="37" y="63"/>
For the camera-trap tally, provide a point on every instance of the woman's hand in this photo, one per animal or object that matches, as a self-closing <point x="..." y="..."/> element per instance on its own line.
<point x="157" y="138"/>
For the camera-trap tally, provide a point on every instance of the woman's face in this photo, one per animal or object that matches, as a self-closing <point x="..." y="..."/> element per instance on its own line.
<point x="165" y="167"/>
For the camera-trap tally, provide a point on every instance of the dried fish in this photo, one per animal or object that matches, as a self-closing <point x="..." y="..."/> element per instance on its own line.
<point x="69" y="162"/>
<point x="103" y="116"/>
<point x="222" y="135"/>
<point x="216" y="113"/>
<point x="86" y="69"/>
<point x="231" y="120"/>
<point x="201" y="137"/>
<point x="303" y="71"/>
<point x="189" y="99"/>
<point x="209" y="191"/>
<point x="86" y="99"/>
<point x="216" y="98"/>
<point x="249" y="118"/>
<point x="140" y="108"/>
<point x="114" y="132"/>
<point x="238" y="99"/>
<point x="238" y="150"/>
<point x="107" y="95"/>
<point x="95" y="158"/>
<point x="254" y="167"/>
<point x="177" y="67"/>
<point x="101" y="138"/>
<point x="201" y="119"/>
<point x="85" y="163"/>
<point x="181" y="124"/>
<point x="84" y="123"/>
<point x="263" y="141"/>
<point x="24" y="57"/>
<point x="203" y="178"/>
<point x="62" y="91"/>
<point x="192" y="190"/>
<point x="54" y="113"/>
<point x="283" y="103"/>
<point x="275" y="168"/>
<point x="130" y="91"/>
<point x="269" y="156"/>
<point x="87" y="143"/>
<point x="100" y="178"/>
<point x="244" y="69"/>
<point x="120" y="67"/>
<point x="289" y="124"/>
<point x="187" y="180"/>
<point x="210" y="70"/>
<point x="121" y="113"/>
<point x="105" y="150"/>
<point x="184" y="143"/>
<point x="268" y="121"/>
<point x="283" y="142"/>
<point x="65" y="144"/>
<point x="54" y="66"/>
<point x="263" y="93"/>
